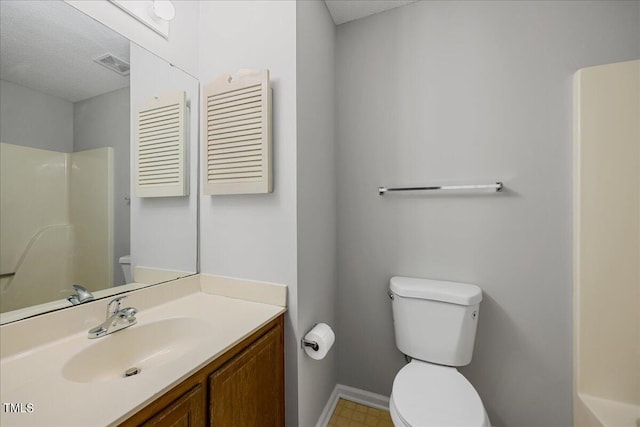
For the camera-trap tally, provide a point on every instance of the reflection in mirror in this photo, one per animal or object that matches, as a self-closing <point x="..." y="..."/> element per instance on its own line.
<point x="67" y="212"/>
<point x="164" y="230"/>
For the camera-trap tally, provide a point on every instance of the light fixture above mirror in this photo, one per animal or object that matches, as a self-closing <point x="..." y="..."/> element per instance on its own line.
<point x="155" y="14"/>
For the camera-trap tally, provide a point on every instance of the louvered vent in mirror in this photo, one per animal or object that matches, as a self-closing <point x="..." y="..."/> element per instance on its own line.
<point x="237" y="134"/>
<point x="161" y="154"/>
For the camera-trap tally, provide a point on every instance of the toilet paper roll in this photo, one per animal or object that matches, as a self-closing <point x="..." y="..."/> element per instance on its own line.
<point x="324" y="336"/>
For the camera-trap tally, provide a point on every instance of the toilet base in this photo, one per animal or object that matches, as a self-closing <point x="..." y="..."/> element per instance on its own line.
<point x="397" y="421"/>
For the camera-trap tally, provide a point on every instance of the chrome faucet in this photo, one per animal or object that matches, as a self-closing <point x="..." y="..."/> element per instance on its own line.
<point x="117" y="318"/>
<point x="82" y="295"/>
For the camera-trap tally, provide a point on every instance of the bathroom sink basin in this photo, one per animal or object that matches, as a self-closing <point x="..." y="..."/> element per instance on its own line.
<point x="144" y="347"/>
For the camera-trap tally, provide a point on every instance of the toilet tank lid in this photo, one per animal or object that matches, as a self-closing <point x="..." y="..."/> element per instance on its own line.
<point x="436" y="290"/>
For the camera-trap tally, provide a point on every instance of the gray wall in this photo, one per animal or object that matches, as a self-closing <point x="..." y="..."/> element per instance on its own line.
<point x="21" y="107"/>
<point x="103" y="121"/>
<point x="255" y="236"/>
<point x="317" y="223"/>
<point x="447" y="92"/>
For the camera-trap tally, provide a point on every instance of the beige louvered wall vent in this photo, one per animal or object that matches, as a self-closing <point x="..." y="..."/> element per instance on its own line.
<point x="161" y="154"/>
<point x="237" y="134"/>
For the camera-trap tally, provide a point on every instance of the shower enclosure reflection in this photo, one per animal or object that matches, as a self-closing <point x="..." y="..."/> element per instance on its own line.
<point x="56" y="223"/>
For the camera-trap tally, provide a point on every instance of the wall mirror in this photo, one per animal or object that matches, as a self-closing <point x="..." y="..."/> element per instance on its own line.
<point x="70" y="91"/>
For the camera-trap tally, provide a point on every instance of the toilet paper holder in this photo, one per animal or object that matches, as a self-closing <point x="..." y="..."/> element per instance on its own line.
<point x="306" y="343"/>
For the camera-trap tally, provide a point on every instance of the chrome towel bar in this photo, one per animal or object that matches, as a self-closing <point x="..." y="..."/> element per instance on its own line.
<point x="498" y="186"/>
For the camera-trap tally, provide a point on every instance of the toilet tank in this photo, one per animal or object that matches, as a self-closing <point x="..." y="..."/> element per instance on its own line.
<point x="435" y="321"/>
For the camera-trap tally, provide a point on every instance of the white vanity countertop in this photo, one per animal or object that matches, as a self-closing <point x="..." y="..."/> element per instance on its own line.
<point x="36" y="375"/>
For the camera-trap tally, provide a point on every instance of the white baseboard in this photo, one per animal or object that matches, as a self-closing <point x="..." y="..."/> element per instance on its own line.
<point x="354" y="395"/>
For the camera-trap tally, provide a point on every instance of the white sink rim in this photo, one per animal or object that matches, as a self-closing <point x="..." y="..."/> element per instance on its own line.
<point x="146" y="346"/>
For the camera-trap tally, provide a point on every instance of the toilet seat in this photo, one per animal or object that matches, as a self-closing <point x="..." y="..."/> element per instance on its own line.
<point x="425" y="395"/>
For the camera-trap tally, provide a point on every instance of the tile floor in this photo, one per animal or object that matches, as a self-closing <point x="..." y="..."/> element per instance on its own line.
<point x="350" y="414"/>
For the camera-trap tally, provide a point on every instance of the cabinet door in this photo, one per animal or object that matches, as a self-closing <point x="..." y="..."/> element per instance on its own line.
<point x="249" y="390"/>
<point x="187" y="411"/>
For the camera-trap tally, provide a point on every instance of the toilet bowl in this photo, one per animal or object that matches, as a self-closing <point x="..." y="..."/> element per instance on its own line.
<point x="425" y="394"/>
<point x="125" y="264"/>
<point x="435" y="325"/>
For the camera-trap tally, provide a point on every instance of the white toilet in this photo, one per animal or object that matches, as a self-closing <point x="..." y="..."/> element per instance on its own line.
<point x="125" y="263"/>
<point x="435" y="325"/>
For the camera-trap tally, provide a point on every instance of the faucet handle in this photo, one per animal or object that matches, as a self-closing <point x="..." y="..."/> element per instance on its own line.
<point x="82" y="295"/>
<point x="129" y="312"/>
<point x="114" y="305"/>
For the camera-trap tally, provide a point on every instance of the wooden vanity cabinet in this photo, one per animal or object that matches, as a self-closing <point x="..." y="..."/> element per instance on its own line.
<point x="242" y="387"/>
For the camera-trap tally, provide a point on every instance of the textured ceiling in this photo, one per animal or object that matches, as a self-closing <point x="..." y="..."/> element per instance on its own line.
<point x="49" y="46"/>
<point x="348" y="10"/>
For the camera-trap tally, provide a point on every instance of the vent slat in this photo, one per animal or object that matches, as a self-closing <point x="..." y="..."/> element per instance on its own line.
<point x="174" y="134"/>
<point x="235" y="181"/>
<point x="233" y="115"/>
<point x="213" y="126"/>
<point x="158" y="110"/>
<point x="154" y="120"/>
<point x="235" y="131"/>
<point x="213" y="140"/>
<point x="215" y="121"/>
<point x="175" y="139"/>
<point x="166" y="121"/>
<point x="255" y="95"/>
<point x="215" y="106"/>
<point x="159" y="117"/>
<point x="159" y="175"/>
<point x="158" y="151"/>
<point x="241" y="136"/>
<point x="230" y="160"/>
<point x="161" y="167"/>
<point x="235" y="108"/>
<point x="240" y="149"/>
<point x="150" y="148"/>
<point x="161" y="143"/>
<point x="157" y="158"/>
<point x="236" y="165"/>
<point x="160" y="128"/>
<point x="166" y="161"/>
<point x="170" y="133"/>
<point x="235" y="155"/>
<point x="158" y="182"/>
<point x="218" y="149"/>
<point x="232" y="92"/>
<point x="216" y="145"/>
<point x="235" y="170"/>
<point x="213" y="177"/>
<point x="158" y="144"/>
